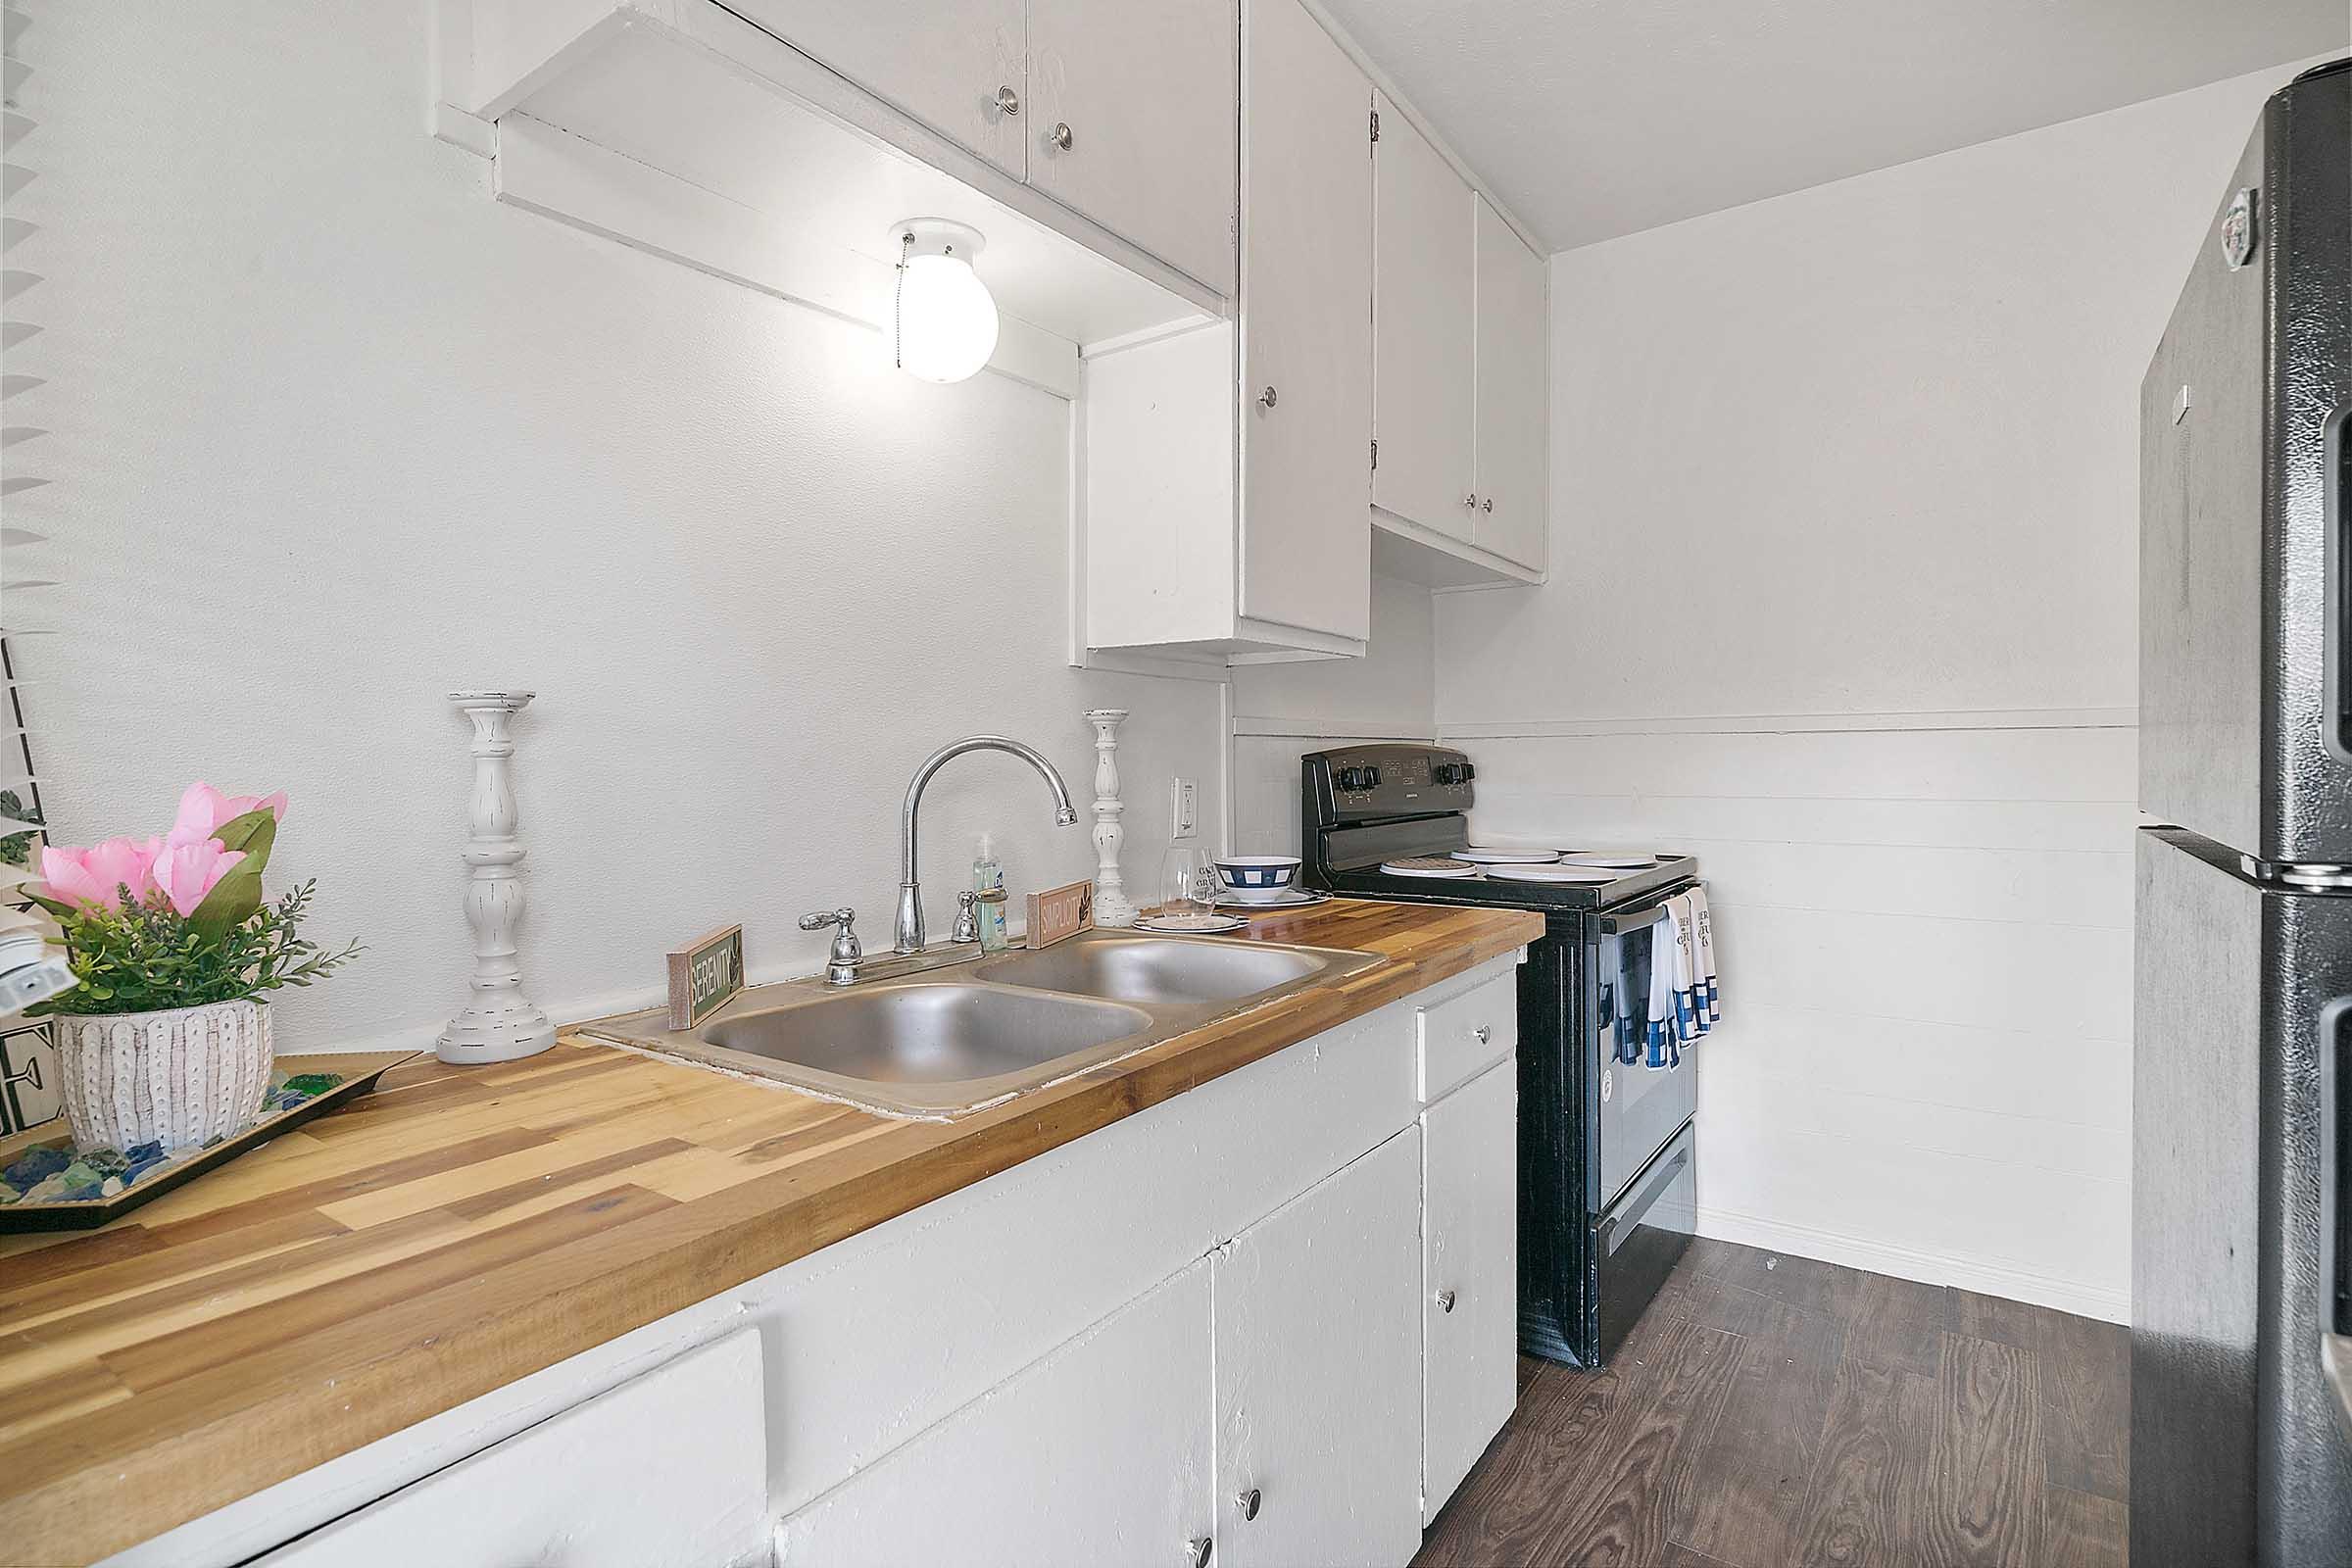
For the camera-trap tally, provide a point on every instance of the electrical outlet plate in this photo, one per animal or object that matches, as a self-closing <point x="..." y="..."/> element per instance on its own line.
<point x="1184" y="810"/>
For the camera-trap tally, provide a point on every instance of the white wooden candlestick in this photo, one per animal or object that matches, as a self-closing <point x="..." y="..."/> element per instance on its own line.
<point x="1112" y="906"/>
<point x="500" y="1023"/>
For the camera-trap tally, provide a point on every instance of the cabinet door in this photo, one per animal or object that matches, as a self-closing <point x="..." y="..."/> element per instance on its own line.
<point x="1514" y="378"/>
<point x="1306" y="325"/>
<point x="1469" y="1276"/>
<point x="1095" y="1455"/>
<point x="1318" y="1372"/>
<point x="1424" y="341"/>
<point x="1150" y="90"/>
<point x="668" y="1470"/>
<point x="941" y="62"/>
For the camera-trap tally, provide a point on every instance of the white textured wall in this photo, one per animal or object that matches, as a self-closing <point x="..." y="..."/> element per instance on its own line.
<point x="333" y="434"/>
<point x="1281" y="712"/>
<point x="1827" y="468"/>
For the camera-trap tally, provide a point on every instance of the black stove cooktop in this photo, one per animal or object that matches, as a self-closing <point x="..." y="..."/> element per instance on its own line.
<point x="1365" y="808"/>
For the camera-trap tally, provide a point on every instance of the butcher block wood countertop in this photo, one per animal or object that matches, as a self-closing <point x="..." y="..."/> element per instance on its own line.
<point x="463" y="1227"/>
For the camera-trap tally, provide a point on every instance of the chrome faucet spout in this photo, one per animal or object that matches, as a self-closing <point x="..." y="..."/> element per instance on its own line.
<point x="910" y="933"/>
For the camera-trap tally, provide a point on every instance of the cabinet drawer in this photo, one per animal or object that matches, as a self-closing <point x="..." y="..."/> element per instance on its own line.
<point x="1463" y="1034"/>
<point x="670" y="1470"/>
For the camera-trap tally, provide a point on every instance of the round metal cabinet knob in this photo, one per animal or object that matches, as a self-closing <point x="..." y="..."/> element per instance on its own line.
<point x="1487" y="505"/>
<point x="1061" y="134"/>
<point x="1248" y="1500"/>
<point x="1268" y="397"/>
<point x="1470" y="500"/>
<point x="1444" y="1300"/>
<point x="1482" y="1034"/>
<point x="1198" y="1550"/>
<point x="1008" y="102"/>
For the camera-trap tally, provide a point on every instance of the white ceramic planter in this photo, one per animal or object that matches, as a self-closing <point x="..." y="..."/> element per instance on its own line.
<point x="181" y="1077"/>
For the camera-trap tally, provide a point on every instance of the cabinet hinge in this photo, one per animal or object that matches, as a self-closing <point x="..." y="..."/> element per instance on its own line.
<point x="1376" y="124"/>
<point x="1376" y="455"/>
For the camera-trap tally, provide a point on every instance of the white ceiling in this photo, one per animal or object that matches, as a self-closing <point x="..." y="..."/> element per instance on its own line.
<point x="1599" y="118"/>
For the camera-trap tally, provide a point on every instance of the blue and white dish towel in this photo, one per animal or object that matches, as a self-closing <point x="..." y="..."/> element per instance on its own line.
<point x="1685" y="999"/>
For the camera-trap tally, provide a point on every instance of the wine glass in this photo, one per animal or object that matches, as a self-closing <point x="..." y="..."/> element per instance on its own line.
<point x="1188" y="882"/>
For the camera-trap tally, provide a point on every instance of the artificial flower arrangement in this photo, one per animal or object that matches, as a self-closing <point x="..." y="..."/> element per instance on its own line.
<point x="164" y="1037"/>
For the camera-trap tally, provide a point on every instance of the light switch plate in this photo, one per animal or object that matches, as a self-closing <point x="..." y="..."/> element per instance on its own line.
<point x="1184" y="810"/>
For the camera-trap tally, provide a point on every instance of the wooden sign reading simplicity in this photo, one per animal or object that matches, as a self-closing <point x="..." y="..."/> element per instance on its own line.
<point x="1060" y="913"/>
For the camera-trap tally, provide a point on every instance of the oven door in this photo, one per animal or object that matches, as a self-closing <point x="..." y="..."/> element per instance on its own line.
<point x="1638" y="1108"/>
<point x="1637" y="1243"/>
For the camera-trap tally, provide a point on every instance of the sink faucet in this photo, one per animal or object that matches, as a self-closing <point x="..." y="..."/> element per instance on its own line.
<point x="910" y="893"/>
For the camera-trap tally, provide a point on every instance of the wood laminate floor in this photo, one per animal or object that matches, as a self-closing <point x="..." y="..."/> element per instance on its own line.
<point x="1776" y="1413"/>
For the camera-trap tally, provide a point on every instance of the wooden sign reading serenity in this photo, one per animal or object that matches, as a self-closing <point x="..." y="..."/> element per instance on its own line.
<point x="705" y="976"/>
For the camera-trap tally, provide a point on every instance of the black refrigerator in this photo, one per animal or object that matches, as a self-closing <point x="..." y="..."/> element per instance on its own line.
<point x="2241" y="1449"/>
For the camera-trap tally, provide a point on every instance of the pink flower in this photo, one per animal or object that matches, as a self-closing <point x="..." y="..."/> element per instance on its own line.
<point x="90" y="878"/>
<point x="204" y="808"/>
<point x="187" y="872"/>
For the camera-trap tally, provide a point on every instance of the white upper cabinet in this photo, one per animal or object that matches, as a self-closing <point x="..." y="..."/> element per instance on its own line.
<point x="1307" y="330"/>
<point x="1513" y="396"/>
<point x="1144" y="93"/>
<point x="1424" y="274"/>
<point x="1191" y="552"/>
<point x="942" y="62"/>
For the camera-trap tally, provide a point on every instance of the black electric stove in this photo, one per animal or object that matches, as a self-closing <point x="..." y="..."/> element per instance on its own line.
<point x="1608" y="1148"/>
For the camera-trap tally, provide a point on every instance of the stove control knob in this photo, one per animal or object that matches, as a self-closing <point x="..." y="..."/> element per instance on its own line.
<point x="1345" y="779"/>
<point x="1371" y="778"/>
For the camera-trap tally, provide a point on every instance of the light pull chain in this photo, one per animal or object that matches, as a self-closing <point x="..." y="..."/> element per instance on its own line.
<point x="898" y="303"/>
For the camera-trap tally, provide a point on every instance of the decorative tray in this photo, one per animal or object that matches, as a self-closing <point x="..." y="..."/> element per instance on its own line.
<point x="301" y="1088"/>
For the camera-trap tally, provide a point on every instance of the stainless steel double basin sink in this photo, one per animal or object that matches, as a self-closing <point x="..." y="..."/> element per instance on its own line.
<point x="949" y="1041"/>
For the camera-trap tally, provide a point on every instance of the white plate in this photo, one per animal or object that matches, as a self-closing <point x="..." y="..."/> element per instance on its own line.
<point x="1191" y="925"/>
<point x="1610" y="862"/>
<point x="1482" y="857"/>
<point x="1588" y="874"/>
<point x="1281" y="898"/>
<point x="1407" y="868"/>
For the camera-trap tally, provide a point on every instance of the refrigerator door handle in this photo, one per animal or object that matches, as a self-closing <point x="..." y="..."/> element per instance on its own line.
<point x="2337" y="476"/>
<point x="2336" y="1268"/>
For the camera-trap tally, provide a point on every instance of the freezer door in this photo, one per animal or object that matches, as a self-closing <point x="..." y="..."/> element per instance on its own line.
<point x="2245" y="638"/>
<point x="2236" y="1452"/>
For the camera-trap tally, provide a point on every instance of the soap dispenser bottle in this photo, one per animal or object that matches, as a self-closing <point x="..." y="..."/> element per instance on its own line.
<point x="987" y="880"/>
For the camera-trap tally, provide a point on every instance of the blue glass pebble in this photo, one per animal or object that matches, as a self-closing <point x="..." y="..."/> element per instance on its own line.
<point x="140" y="1153"/>
<point x="37" y="1165"/>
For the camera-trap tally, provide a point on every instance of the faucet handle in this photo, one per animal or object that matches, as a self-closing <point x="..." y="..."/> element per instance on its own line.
<point x="841" y="965"/>
<point x="845" y="939"/>
<point x="968" y="918"/>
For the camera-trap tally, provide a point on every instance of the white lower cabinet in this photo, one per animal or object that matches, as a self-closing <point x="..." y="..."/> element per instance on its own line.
<point x="1469" y="1276"/>
<point x="1095" y="1455"/>
<point x="1211" y="1333"/>
<point x="1293" y="1351"/>
<point x="668" y="1470"/>
<point x="1317" y="1372"/>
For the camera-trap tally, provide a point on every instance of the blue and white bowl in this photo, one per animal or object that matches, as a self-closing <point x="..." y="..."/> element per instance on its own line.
<point x="1253" y="878"/>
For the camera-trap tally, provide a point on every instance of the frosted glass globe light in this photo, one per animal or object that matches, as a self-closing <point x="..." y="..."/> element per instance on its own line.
<point x="946" y="320"/>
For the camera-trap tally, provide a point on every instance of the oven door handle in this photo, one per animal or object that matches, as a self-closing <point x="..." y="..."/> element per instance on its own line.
<point x="1629" y="1214"/>
<point x="1617" y="926"/>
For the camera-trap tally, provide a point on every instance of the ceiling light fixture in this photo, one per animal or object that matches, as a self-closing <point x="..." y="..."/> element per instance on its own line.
<point x="944" y="320"/>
